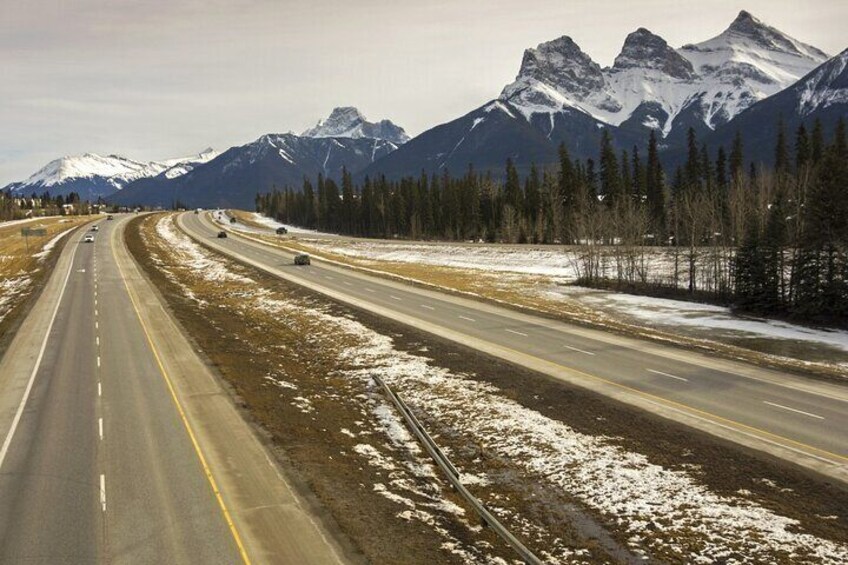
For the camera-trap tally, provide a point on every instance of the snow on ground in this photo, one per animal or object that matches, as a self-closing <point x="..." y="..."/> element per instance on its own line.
<point x="48" y="247"/>
<point x="10" y="289"/>
<point x="676" y="313"/>
<point x="274" y="224"/>
<point x="561" y="266"/>
<point x="667" y="512"/>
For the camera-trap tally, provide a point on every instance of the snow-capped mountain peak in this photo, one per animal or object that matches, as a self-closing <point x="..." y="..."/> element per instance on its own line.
<point x="643" y="49"/>
<point x="90" y="165"/>
<point x="827" y="86"/>
<point x="658" y="86"/>
<point x="348" y="121"/>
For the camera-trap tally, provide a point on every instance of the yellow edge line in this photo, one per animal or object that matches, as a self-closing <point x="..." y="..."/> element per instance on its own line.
<point x="707" y="415"/>
<point x="206" y="469"/>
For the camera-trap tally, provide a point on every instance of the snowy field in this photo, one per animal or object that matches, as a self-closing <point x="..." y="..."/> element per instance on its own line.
<point x="524" y="265"/>
<point x="663" y="511"/>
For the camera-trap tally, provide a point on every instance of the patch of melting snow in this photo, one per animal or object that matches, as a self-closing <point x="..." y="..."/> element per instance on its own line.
<point x="48" y="247"/>
<point x="665" y="511"/>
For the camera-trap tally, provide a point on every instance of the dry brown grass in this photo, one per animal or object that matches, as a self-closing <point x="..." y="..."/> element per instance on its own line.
<point x="15" y="257"/>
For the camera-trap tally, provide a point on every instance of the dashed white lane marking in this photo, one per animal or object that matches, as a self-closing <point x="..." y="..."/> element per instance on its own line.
<point x="370" y="289"/>
<point x="348" y="284"/>
<point x="427" y="307"/>
<point x="97" y="341"/>
<point x="100" y="427"/>
<point x="329" y="278"/>
<point x="578" y="350"/>
<point x="103" y="492"/>
<point x="515" y="332"/>
<point x="467" y="319"/>
<point x="393" y="297"/>
<point x="794" y="410"/>
<point x="99" y="389"/>
<point x="95" y="311"/>
<point x="98" y="361"/>
<point x="668" y="375"/>
<point x="96" y="325"/>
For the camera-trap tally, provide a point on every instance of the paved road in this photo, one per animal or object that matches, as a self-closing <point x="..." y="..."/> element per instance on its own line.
<point x="118" y="443"/>
<point x="98" y="467"/>
<point x="798" y="419"/>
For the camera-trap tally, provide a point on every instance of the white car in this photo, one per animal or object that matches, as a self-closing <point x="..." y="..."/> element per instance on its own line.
<point x="88" y="238"/>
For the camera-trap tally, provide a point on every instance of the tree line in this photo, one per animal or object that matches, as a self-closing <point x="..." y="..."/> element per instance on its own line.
<point x="770" y="240"/>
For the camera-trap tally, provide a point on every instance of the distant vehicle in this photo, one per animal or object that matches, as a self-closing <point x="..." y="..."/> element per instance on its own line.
<point x="88" y="238"/>
<point x="282" y="231"/>
<point x="109" y="217"/>
<point x="222" y="235"/>
<point x="301" y="259"/>
<point x="232" y="219"/>
<point x="198" y="210"/>
<point x="95" y="228"/>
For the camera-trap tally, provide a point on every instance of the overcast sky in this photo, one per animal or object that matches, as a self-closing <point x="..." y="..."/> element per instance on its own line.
<point x="153" y="79"/>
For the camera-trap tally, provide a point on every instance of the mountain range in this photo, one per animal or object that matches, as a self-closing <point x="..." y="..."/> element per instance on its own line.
<point x="748" y="78"/>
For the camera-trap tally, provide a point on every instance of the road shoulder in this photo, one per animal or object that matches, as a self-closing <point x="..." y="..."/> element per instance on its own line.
<point x="275" y="525"/>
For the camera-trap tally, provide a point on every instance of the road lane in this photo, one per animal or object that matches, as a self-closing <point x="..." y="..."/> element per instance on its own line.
<point x="724" y="397"/>
<point x="138" y="495"/>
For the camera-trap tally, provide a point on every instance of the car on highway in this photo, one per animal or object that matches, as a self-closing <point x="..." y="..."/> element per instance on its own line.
<point x="301" y="259"/>
<point x="95" y="228"/>
<point x="88" y="238"/>
<point x="110" y="217"/>
<point x="282" y="231"/>
<point x="222" y="235"/>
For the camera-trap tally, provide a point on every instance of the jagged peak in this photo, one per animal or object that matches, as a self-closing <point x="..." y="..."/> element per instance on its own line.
<point x="644" y="49"/>
<point x="348" y="121"/>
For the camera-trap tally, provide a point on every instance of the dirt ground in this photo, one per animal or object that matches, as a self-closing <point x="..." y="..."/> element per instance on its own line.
<point x="311" y="443"/>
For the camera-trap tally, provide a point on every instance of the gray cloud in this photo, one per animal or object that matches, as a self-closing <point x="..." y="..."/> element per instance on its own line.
<point x="159" y="78"/>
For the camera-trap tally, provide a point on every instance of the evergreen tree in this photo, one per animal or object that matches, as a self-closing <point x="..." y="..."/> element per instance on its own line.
<point x="611" y="186"/>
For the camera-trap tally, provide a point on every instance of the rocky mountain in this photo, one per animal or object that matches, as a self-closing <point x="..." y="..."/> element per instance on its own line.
<point x="820" y="95"/>
<point x="93" y="176"/>
<point x="568" y="98"/>
<point x="349" y="122"/>
<point x="274" y="160"/>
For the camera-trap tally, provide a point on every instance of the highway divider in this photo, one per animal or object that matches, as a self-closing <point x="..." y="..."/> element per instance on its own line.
<point x="453" y="475"/>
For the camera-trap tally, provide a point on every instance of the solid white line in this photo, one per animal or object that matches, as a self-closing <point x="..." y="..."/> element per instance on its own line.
<point x="793" y="410"/>
<point x="103" y="492"/>
<point x="100" y="427"/>
<point x="667" y="375"/>
<point x="467" y="318"/>
<point x="16" y="420"/>
<point x="515" y="332"/>
<point x="393" y="297"/>
<point x="578" y="350"/>
<point x="427" y="307"/>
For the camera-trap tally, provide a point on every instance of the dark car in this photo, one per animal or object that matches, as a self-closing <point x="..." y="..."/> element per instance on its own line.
<point x="302" y="259"/>
<point x="282" y="231"/>
<point x="222" y="235"/>
<point x="109" y="217"/>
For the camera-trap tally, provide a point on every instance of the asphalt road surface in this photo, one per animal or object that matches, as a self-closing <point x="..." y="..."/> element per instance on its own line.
<point x="106" y="413"/>
<point x="801" y="420"/>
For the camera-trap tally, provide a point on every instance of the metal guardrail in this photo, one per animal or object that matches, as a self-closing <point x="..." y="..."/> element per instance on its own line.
<point x="453" y="476"/>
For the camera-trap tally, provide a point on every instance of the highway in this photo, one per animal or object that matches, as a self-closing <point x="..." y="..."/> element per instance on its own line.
<point x="116" y="438"/>
<point x="801" y="420"/>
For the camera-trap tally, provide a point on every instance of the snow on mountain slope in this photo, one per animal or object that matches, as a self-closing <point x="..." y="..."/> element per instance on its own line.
<point x="92" y="176"/>
<point x="712" y="81"/>
<point x="349" y="122"/>
<point x="826" y="87"/>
